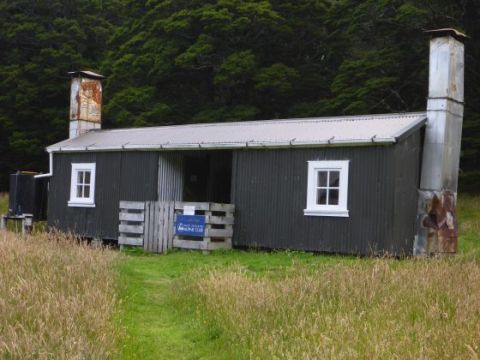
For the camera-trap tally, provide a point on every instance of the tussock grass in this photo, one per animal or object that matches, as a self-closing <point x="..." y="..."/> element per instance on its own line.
<point x="364" y="308"/>
<point x="57" y="298"/>
<point x="371" y="309"/>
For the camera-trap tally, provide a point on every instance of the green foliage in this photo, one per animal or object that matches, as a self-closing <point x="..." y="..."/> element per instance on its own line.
<point x="174" y="62"/>
<point x="41" y="41"/>
<point x="236" y="69"/>
<point x="277" y="78"/>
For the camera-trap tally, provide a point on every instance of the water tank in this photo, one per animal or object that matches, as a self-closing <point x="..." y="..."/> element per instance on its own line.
<point x="27" y="195"/>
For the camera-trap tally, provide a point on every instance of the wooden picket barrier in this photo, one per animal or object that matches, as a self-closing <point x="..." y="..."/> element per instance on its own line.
<point x="151" y="224"/>
<point x="131" y="223"/>
<point x="219" y="221"/>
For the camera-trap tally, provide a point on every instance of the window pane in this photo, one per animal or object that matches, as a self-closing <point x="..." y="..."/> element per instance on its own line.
<point x="87" y="177"/>
<point x="334" y="178"/>
<point x="86" y="191"/>
<point x="79" y="191"/>
<point x="321" y="197"/>
<point x="80" y="177"/>
<point x="322" y="179"/>
<point x="333" y="197"/>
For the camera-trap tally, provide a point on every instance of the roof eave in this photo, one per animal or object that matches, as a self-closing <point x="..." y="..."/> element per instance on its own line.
<point x="228" y="146"/>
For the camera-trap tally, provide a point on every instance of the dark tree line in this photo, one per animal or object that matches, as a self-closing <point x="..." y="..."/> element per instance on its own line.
<point x="173" y="62"/>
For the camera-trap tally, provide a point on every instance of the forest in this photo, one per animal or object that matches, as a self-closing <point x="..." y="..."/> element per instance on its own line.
<point x="178" y="61"/>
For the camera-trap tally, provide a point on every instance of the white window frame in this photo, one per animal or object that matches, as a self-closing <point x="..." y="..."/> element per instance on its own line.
<point x="82" y="201"/>
<point x="314" y="209"/>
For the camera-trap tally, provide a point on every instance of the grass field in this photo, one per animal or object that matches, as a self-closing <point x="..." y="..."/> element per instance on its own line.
<point x="58" y="299"/>
<point x="61" y="300"/>
<point x="291" y="305"/>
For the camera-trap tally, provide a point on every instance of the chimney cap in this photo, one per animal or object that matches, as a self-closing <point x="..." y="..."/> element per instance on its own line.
<point x="86" y="73"/>
<point x="447" y="32"/>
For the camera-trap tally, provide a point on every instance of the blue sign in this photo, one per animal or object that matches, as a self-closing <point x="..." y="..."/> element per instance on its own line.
<point x="190" y="225"/>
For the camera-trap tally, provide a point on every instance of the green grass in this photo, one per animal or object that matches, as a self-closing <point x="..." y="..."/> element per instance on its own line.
<point x="3" y="203"/>
<point x="15" y="226"/>
<point x="162" y="325"/>
<point x="180" y="305"/>
<point x="469" y="223"/>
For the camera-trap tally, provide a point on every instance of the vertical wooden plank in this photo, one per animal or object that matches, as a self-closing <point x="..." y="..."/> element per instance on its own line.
<point x="146" y="240"/>
<point x="162" y="225"/>
<point x="152" y="228"/>
<point x="162" y="222"/>
<point x="146" y="232"/>
<point x="165" y="225"/>
<point x="159" y="219"/>
<point x="171" y="220"/>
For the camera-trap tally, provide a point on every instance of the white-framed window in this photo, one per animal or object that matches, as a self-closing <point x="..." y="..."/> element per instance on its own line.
<point x="327" y="188"/>
<point x="82" y="185"/>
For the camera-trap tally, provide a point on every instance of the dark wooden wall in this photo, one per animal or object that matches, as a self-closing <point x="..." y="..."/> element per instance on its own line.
<point x="269" y="189"/>
<point x="119" y="176"/>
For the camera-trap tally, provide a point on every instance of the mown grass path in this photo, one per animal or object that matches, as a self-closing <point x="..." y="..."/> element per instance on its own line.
<point x="158" y="326"/>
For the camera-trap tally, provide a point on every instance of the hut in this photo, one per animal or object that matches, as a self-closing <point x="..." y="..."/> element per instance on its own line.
<point x="364" y="184"/>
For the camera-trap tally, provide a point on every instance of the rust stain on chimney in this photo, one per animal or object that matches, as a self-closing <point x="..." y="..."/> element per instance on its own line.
<point x="77" y="98"/>
<point x="86" y="100"/>
<point x="91" y="89"/>
<point x="441" y="223"/>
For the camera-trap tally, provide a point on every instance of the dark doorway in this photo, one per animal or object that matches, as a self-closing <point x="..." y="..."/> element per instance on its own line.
<point x="208" y="176"/>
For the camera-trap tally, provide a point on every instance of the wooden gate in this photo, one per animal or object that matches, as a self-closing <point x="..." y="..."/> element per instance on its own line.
<point x="159" y="226"/>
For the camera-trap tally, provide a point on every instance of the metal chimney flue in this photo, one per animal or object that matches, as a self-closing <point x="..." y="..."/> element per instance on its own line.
<point x="85" y="102"/>
<point x="436" y="215"/>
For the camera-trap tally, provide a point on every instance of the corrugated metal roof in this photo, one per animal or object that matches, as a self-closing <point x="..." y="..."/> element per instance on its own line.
<point x="308" y="132"/>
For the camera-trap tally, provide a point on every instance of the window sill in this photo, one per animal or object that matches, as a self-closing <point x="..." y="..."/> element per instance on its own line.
<point x="333" y="213"/>
<point x="80" y="204"/>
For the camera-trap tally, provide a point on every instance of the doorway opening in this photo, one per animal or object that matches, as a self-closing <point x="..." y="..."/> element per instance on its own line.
<point x="207" y="176"/>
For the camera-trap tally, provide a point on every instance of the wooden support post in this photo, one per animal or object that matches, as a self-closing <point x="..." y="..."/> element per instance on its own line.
<point x="27" y="224"/>
<point x="3" y="222"/>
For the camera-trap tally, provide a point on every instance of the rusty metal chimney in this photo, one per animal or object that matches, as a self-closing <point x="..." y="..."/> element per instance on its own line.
<point x="436" y="215"/>
<point x="85" y="102"/>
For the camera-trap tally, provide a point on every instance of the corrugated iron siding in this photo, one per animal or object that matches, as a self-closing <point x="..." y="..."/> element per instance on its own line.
<point x="128" y="176"/>
<point x="270" y="190"/>
<point x="170" y="176"/>
<point x="408" y="158"/>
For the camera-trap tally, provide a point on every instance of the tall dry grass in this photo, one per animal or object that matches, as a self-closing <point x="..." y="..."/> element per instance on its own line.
<point x="374" y="309"/>
<point x="57" y="299"/>
<point x="364" y="308"/>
